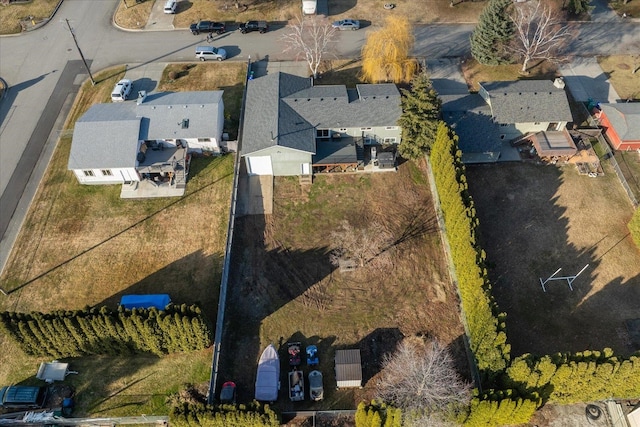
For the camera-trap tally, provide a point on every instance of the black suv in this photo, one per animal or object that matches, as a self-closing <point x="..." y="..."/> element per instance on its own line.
<point x="207" y="27"/>
<point x="250" y="26"/>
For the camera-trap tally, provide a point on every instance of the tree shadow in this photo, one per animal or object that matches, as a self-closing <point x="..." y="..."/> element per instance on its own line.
<point x="183" y="6"/>
<point x="339" y="7"/>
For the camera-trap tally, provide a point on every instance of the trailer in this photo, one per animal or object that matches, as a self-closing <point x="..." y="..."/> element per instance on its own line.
<point x="296" y="385"/>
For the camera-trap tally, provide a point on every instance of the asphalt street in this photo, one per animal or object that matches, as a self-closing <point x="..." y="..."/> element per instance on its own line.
<point x="35" y="66"/>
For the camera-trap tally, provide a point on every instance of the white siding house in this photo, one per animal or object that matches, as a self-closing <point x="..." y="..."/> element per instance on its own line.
<point x="128" y="142"/>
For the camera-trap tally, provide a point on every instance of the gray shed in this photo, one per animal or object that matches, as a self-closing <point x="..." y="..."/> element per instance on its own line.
<point x="348" y="368"/>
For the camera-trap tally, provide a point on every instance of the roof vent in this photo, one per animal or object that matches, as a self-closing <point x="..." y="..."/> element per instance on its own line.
<point x="169" y="106"/>
<point x="559" y="82"/>
<point x="308" y="99"/>
<point x="201" y="105"/>
<point x="321" y="99"/>
<point x="184" y="106"/>
<point x="335" y="99"/>
<point x="184" y="124"/>
<point x="374" y="97"/>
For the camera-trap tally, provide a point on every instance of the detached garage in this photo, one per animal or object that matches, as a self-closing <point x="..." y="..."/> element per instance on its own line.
<point x="348" y="368"/>
<point x="621" y="123"/>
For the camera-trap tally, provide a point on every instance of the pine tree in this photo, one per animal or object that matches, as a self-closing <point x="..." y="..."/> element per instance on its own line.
<point x="420" y="118"/>
<point x="493" y="31"/>
<point x="578" y="7"/>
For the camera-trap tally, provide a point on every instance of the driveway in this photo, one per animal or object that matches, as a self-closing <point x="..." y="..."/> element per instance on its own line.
<point x="145" y="76"/>
<point x="158" y="20"/>
<point x="446" y="76"/>
<point x="586" y="80"/>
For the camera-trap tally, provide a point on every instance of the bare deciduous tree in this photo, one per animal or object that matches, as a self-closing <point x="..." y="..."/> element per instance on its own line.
<point x="538" y="34"/>
<point x="311" y="38"/>
<point x="420" y="377"/>
<point x="370" y="246"/>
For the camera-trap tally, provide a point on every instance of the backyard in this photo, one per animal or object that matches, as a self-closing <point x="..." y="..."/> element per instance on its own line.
<point x="283" y="286"/>
<point x="535" y="219"/>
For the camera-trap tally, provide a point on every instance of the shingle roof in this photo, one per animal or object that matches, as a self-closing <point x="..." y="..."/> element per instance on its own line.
<point x="470" y="118"/>
<point x="625" y="118"/>
<point x="107" y="135"/>
<point x="285" y="110"/>
<point x="527" y="101"/>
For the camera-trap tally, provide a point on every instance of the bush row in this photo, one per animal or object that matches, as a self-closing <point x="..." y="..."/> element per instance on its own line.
<point x="252" y="415"/>
<point x="486" y="327"/>
<point x="376" y="414"/>
<point x="103" y="331"/>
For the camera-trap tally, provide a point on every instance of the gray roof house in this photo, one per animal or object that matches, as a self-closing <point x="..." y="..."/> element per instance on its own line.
<point x="146" y="141"/>
<point x="506" y="112"/>
<point x="292" y="127"/>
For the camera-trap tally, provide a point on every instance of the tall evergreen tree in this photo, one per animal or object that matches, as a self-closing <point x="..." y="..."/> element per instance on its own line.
<point x="493" y="31"/>
<point x="578" y="7"/>
<point x="420" y="117"/>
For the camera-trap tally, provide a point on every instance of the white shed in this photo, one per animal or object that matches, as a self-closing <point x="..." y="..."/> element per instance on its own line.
<point x="348" y="368"/>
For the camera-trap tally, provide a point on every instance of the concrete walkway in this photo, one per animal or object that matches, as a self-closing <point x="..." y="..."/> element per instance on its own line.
<point x="586" y="80"/>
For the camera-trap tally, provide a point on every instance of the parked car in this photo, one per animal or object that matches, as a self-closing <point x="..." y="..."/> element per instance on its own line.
<point x="228" y="392"/>
<point x="250" y="26"/>
<point x="121" y="90"/>
<point x="22" y="397"/>
<point x="347" y="24"/>
<point x="207" y="27"/>
<point x="209" y="52"/>
<point x="170" y="6"/>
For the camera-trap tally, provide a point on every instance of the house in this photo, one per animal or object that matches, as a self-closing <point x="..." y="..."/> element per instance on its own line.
<point x="527" y="106"/>
<point x="146" y="142"/>
<point x="292" y="127"/>
<point x="621" y="123"/>
<point x="536" y="111"/>
<point x="348" y="368"/>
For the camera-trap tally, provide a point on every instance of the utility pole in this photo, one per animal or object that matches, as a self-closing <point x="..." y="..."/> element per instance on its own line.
<point x="84" y="61"/>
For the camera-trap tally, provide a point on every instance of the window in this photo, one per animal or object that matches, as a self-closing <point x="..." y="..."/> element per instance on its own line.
<point x="365" y="128"/>
<point x="322" y="133"/>
<point x="88" y="172"/>
<point x="536" y="123"/>
<point x="343" y="129"/>
<point x="106" y="172"/>
<point x="391" y="128"/>
<point x="204" y="139"/>
<point x="504" y="124"/>
<point x="390" y="140"/>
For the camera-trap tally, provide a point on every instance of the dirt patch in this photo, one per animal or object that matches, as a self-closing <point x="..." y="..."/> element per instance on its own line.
<point x="284" y="288"/>
<point x="536" y="219"/>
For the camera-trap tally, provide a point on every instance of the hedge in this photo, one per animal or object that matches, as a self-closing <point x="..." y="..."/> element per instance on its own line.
<point x="252" y="415"/>
<point x="103" y="331"/>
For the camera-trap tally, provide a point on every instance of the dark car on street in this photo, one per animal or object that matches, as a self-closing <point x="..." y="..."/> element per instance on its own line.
<point x="251" y="26"/>
<point x="207" y="27"/>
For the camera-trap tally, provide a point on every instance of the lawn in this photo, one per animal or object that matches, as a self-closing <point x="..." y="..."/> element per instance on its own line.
<point x="535" y="219"/>
<point x="619" y="70"/>
<point x="12" y="14"/>
<point x="474" y="72"/>
<point x="283" y="286"/>
<point x="83" y="245"/>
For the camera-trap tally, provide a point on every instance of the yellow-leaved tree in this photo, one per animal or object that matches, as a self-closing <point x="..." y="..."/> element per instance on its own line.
<point x="385" y="54"/>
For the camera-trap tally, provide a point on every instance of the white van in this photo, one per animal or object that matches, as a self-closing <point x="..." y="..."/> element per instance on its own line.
<point x="121" y="90"/>
<point x="309" y="7"/>
<point x="170" y="6"/>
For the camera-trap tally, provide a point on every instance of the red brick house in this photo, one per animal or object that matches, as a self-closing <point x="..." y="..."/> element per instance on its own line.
<point x="621" y="125"/>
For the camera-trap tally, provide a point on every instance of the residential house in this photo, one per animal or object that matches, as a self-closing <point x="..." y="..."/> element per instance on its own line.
<point x="292" y="127"/>
<point x="507" y="112"/>
<point x="621" y="123"/>
<point x="146" y="141"/>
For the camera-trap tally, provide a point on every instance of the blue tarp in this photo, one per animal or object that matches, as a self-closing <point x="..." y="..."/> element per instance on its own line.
<point x="159" y="301"/>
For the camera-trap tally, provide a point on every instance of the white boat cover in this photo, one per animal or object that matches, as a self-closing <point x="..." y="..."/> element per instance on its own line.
<point x="268" y="377"/>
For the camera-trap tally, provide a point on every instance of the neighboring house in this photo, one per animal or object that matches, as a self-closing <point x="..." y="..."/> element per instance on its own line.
<point x="621" y="123"/>
<point x="509" y="111"/>
<point x="292" y="127"/>
<point x="527" y="106"/>
<point x="147" y="140"/>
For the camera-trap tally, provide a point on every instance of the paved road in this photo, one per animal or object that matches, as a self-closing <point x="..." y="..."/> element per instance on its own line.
<point x="33" y="64"/>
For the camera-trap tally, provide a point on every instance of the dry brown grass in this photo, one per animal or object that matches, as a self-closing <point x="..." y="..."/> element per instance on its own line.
<point x="12" y="14"/>
<point x="536" y="219"/>
<point x="283" y="286"/>
<point x="474" y="72"/>
<point x="135" y="16"/>
<point x="619" y="71"/>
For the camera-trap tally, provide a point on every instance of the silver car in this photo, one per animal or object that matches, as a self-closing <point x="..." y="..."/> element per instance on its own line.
<point x="347" y="24"/>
